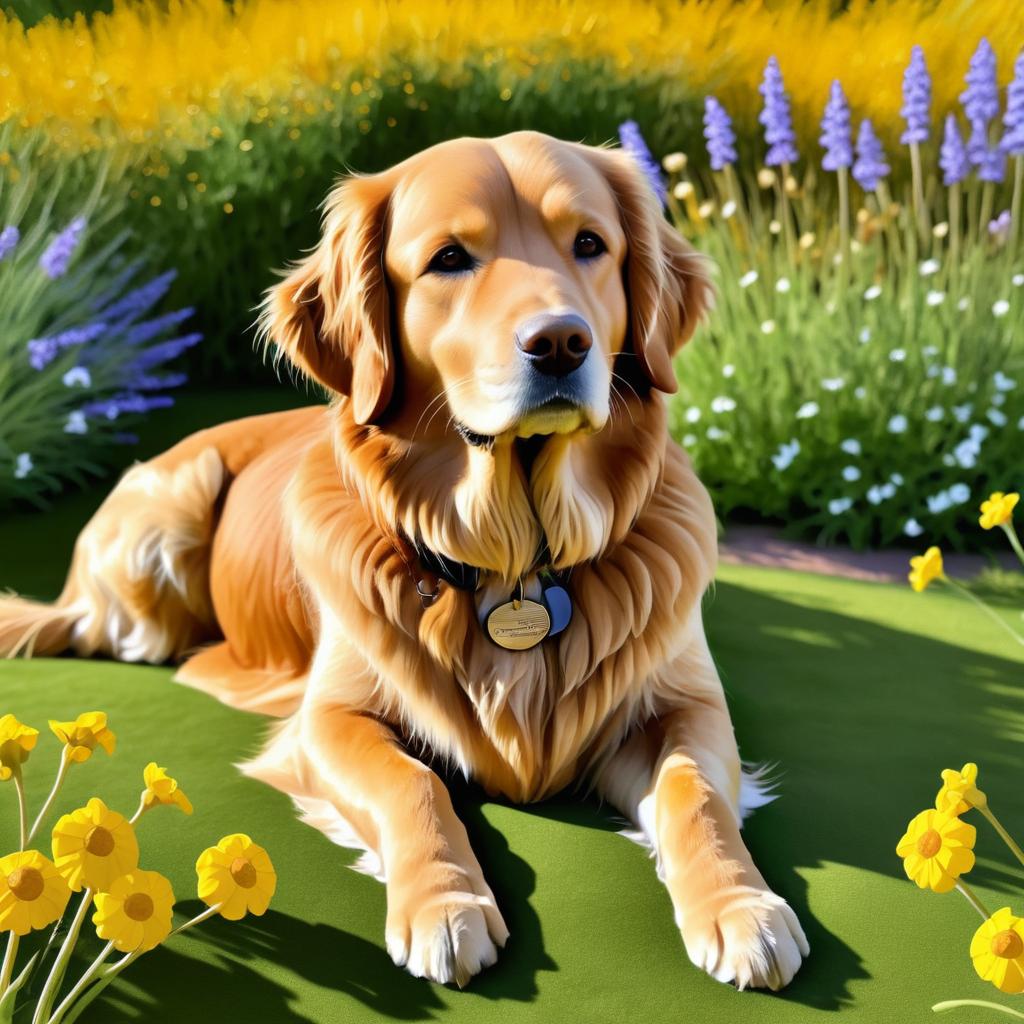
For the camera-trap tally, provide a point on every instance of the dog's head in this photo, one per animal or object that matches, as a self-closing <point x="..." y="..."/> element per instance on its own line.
<point x="495" y="287"/>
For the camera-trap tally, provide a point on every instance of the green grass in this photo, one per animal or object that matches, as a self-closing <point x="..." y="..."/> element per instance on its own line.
<point x="861" y="692"/>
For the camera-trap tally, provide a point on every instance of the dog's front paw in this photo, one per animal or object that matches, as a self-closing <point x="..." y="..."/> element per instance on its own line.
<point x="446" y="936"/>
<point x="746" y="936"/>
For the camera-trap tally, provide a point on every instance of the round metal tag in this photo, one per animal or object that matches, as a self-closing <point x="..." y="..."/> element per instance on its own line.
<point x="518" y="629"/>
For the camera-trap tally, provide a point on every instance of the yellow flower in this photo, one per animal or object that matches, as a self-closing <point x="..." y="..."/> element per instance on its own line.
<point x="936" y="849"/>
<point x="135" y="914"/>
<point x="16" y="741"/>
<point x="997" y="951"/>
<point x="32" y="892"/>
<point x="162" y="789"/>
<point x="960" y="791"/>
<point x="998" y="510"/>
<point x="925" y="568"/>
<point x="83" y="734"/>
<point x="238" y="874"/>
<point x="94" y="845"/>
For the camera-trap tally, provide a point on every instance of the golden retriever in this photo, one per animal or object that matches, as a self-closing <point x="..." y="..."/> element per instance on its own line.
<point x="496" y="321"/>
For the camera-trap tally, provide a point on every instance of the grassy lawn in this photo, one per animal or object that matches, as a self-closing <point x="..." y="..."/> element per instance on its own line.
<point x="860" y="692"/>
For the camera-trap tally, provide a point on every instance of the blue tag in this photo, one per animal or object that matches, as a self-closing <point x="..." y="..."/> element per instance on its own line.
<point x="559" y="606"/>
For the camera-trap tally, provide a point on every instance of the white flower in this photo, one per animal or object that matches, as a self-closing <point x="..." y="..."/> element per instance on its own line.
<point x="748" y="278"/>
<point x="938" y="503"/>
<point x="833" y="383"/>
<point x="959" y="493"/>
<point x="873" y="292"/>
<point x="1020" y="423"/>
<point x="782" y="285"/>
<point x="934" y="414"/>
<point x="76" y="423"/>
<point x="674" y="162"/>
<point x="692" y="414"/>
<point x="998" y="398"/>
<point x="963" y="412"/>
<point x="786" y="454"/>
<point x="728" y="208"/>
<point x="948" y="375"/>
<point x="897" y="424"/>
<point x="933" y="371"/>
<point x="898" y="355"/>
<point x="965" y="454"/>
<point x="851" y="446"/>
<point x="860" y="392"/>
<point x="807" y="411"/>
<point x="929" y="351"/>
<point x="77" y="375"/>
<point x="928" y="267"/>
<point x="896" y="479"/>
<point x="728" y="370"/>
<point x="714" y="434"/>
<point x="1002" y="382"/>
<point x="23" y="465"/>
<point x="851" y="474"/>
<point x="1000" y="307"/>
<point x="874" y="495"/>
<point x="689" y="440"/>
<point x="768" y="327"/>
<point x="723" y="403"/>
<point x="837" y="506"/>
<point x="997" y="417"/>
<point x="865" y="335"/>
<point x="963" y="304"/>
<point x="1018" y="280"/>
<point x="912" y="528"/>
<point x="888" y="490"/>
<point x="934" y="298"/>
<point x="683" y="190"/>
<point x="977" y="432"/>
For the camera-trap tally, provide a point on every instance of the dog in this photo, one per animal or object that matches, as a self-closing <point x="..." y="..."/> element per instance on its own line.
<point x="486" y="547"/>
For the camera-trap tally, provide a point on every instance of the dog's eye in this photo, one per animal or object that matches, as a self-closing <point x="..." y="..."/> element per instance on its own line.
<point x="588" y="245"/>
<point x="452" y="259"/>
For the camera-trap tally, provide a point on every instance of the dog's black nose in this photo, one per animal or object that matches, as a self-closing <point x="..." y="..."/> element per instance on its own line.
<point x="555" y="345"/>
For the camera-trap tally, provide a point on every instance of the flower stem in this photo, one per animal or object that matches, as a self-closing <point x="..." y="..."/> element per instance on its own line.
<point x="82" y="984"/>
<point x="955" y="1004"/>
<point x="1011" y="532"/>
<point x="1015" y="202"/>
<point x="108" y="975"/>
<point x="19" y="786"/>
<point x="968" y="894"/>
<point x="8" y="965"/>
<point x="1003" y="834"/>
<point x="65" y="762"/>
<point x="918" y="185"/>
<point x="139" y="811"/>
<point x="198" y="919"/>
<point x="60" y="965"/>
<point x="981" y="604"/>
<point x="954" y="236"/>
<point x="844" y="231"/>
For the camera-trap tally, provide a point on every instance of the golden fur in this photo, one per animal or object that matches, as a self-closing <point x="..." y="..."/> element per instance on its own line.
<point x="277" y="542"/>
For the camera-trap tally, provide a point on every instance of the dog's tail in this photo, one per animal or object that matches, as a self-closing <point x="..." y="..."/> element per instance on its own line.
<point x="30" y="628"/>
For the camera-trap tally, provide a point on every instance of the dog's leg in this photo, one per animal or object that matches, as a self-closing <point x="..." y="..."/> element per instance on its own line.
<point x="443" y="922"/>
<point x="678" y="780"/>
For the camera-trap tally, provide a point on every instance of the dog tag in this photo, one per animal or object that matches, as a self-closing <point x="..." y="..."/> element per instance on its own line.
<point x="559" y="606"/>
<point x="518" y="625"/>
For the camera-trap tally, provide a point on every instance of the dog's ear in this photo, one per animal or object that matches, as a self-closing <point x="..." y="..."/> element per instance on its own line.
<point x="331" y="315"/>
<point x="668" y="282"/>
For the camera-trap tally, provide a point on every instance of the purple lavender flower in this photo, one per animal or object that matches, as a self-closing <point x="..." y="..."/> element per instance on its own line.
<point x="917" y="99"/>
<point x="9" y="238"/>
<point x="148" y="382"/>
<point x="870" y="164"/>
<point x="999" y="227"/>
<point x="981" y="97"/>
<point x="127" y="402"/>
<point x="55" y="260"/>
<point x="140" y="300"/>
<point x="43" y="351"/>
<point x="633" y="143"/>
<point x="993" y="165"/>
<point x="835" y="130"/>
<point x="1013" y="118"/>
<point x="140" y="333"/>
<point x="778" y="124"/>
<point x="718" y="131"/>
<point x="164" y="352"/>
<point x="952" y="155"/>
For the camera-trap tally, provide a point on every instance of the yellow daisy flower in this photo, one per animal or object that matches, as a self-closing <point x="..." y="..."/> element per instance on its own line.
<point x="925" y="568"/>
<point x="16" y="742"/>
<point x="998" y="510"/>
<point x="135" y="914"/>
<point x="84" y="734"/>
<point x="936" y="849"/>
<point x="997" y="951"/>
<point x="238" y="874"/>
<point x="94" y="845"/>
<point x="960" y="791"/>
<point x="32" y="892"/>
<point x="162" y="789"/>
